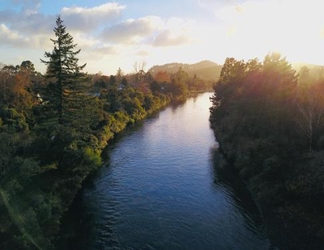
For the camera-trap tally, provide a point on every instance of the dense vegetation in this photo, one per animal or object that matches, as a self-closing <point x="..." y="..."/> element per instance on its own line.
<point x="53" y="128"/>
<point x="269" y="123"/>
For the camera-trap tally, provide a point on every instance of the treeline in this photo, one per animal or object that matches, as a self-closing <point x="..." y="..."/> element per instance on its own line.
<point x="179" y="84"/>
<point x="53" y="128"/>
<point x="268" y="120"/>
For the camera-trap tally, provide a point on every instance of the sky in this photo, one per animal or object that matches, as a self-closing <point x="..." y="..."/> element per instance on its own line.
<point x="120" y="34"/>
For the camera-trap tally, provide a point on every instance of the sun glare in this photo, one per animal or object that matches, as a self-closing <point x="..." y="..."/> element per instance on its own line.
<point x="293" y="28"/>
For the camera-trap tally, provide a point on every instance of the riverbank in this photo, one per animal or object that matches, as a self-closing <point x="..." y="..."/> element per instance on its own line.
<point x="47" y="150"/>
<point x="258" y="117"/>
<point x="119" y="123"/>
<point x="107" y="134"/>
<point x="46" y="171"/>
<point x="160" y="181"/>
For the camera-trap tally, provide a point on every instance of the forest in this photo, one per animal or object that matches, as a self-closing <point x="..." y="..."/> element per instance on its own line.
<point x="54" y="127"/>
<point x="268" y="120"/>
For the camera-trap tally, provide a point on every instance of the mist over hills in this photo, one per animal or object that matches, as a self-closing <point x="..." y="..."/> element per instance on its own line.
<point x="206" y="70"/>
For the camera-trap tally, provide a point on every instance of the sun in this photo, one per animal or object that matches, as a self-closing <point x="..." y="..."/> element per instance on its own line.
<point x="256" y="28"/>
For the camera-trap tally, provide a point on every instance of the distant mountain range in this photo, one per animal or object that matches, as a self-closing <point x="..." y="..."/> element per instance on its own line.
<point x="206" y="70"/>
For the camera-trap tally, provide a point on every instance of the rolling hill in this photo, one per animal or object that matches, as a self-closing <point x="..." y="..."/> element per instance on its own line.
<point x="206" y="70"/>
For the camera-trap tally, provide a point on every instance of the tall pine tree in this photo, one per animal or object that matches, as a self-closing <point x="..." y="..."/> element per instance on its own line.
<point x="67" y="94"/>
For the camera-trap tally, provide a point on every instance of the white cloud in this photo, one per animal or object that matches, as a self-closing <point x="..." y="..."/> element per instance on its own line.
<point x="166" y="38"/>
<point x="28" y="6"/>
<point x="132" y="30"/>
<point x="27" y="22"/>
<point x="87" y="19"/>
<point x="12" y="38"/>
<point x="151" y="30"/>
<point x="176" y="31"/>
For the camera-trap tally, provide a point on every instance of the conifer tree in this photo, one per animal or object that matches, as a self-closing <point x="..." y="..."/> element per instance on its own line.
<point x="66" y="92"/>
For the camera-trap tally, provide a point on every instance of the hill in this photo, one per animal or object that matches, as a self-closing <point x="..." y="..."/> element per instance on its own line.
<point x="206" y="70"/>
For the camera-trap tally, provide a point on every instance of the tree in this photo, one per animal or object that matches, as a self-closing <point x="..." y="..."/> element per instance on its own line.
<point x="16" y="86"/>
<point x="119" y="75"/>
<point x="139" y="68"/>
<point x="179" y="83"/>
<point x="162" y="77"/>
<point x="226" y="89"/>
<point x="66" y="89"/>
<point x="27" y="66"/>
<point x="7" y="74"/>
<point x="279" y="86"/>
<point x="310" y="106"/>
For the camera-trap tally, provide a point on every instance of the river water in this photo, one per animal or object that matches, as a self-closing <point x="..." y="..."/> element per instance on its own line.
<point x="163" y="187"/>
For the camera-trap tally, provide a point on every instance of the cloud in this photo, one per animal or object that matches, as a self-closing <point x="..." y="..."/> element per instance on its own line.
<point x="97" y="53"/>
<point x="28" y="6"/>
<point x="106" y="50"/>
<point x="7" y="16"/>
<point x="25" y="28"/>
<point x="213" y="3"/>
<point x="38" y="27"/>
<point x="35" y="23"/>
<point x="175" y="32"/>
<point x="86" y="19"/>
<point x="12" y="38"/>
<point x="27" y="19"/>
<point x="32" y="31"/>
<point x="132" y="30"/>
<point x="150" y="30"/>
<point x="143" y="53"/>
<point x="213" y="6"/>
<point x="166" y="39"/>
<point x="105" y="37"/>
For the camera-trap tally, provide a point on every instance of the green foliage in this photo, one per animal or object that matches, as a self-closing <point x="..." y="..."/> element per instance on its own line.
<point x="13" y="119"/>
<point x="25" y="220"/>
<point x="93" y="156"/>
<point x="52" y="133"/>
<point x="268" y="123"/>
<point x="66" y="90"/>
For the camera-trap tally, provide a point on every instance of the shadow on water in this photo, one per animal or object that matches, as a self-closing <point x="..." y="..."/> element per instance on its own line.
<point x="281" y="236"/>
<point x="75" y="232"/>
<point x="226" y="177"/>
<point x="73" y="225"/>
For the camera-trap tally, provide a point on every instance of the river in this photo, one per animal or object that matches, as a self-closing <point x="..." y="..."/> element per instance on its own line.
<point x="163" y="187"/>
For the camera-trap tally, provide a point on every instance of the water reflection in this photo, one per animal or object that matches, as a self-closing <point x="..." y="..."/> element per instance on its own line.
<point x="226" y="178"/>
<point x="162" y="189"/>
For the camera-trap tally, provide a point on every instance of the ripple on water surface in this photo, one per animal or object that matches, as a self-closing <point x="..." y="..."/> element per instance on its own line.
<point x="161" y="190"/>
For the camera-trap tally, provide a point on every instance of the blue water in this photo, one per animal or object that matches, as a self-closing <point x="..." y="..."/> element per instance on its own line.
<point x="162" y="188"/>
